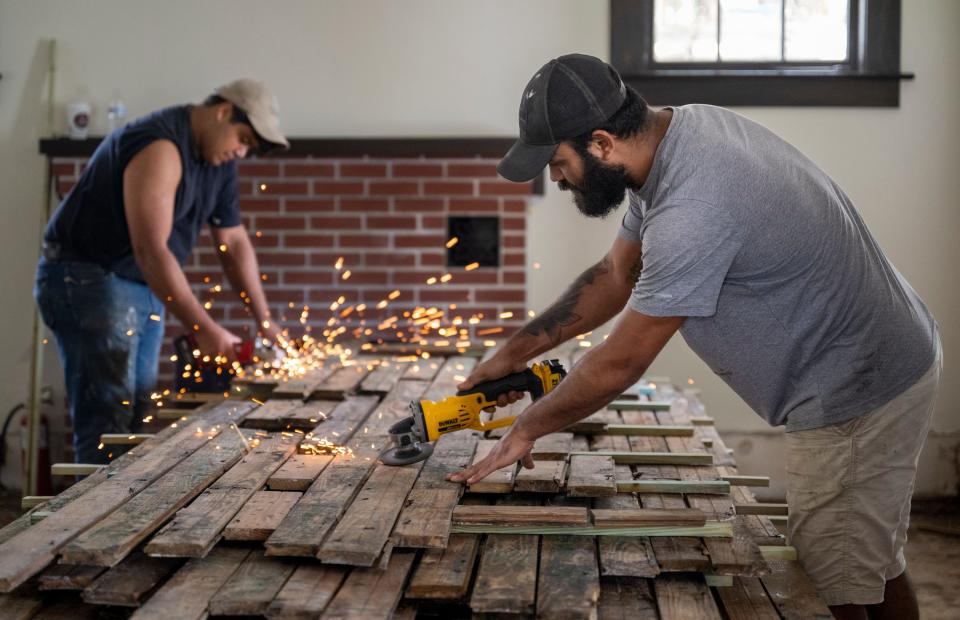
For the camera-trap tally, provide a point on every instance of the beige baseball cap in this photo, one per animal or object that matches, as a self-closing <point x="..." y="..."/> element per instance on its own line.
<point x="254" y="98"/>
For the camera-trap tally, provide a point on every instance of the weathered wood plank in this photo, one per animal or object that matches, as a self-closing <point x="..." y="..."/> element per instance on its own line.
<point x="714" y="487"/>
<point x="298" y="472"/>
<point x="339" y="425"/>
<point x="383" y="378"/>
<point x="196" y="528"/>
<point x="270" y="415"/>
<point x="129" y="582"/>
<point x="249" y="591"/>
<point x="639" y="405"/>
<point x="568" y="584"/>
<point x="649" y="430"/>
<point x="507" y="576"/>
<point x="320" y="507"/>
<point x="624" y="598"/>
<point x="653" y="458"/>
<point x="308" y="415"/>
<point x="747" y="600"/>
<point x="307" y="592"/>
<point x="422" y="369"/>
<point x="261" y="515"/>
<point x="445" y="573"/>
<point x="521" y="515"/>
<point x="68" y="577"/>
<point x="424" y="521"/>
<point x="301" y="387"/>
<point x="114" y="537"/>
<point x="545" y="477"/>
<point x="371" y="593"/>
<point x="345" y="380"/>
<point x="26" y="554"/>
<point x="362" y="533"/>
<point x="685" y="597"/>
<point x="624" y="556"/>
<point x="186" y="595"/>
<point x="758" y="508"/>
<point x="499" y="481"/>
<point x="20" y="605"/>
<point x="552" y="447"/>
<point x="591" y="476"/>
<point x="640" y="517"/>
<point x="792" y="592"/>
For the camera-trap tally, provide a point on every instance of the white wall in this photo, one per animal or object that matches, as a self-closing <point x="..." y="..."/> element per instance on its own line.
<point x="456" y="67"/>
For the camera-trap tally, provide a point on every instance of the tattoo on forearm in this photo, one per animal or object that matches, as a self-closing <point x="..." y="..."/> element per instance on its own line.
<point x="634" y="273"/>
<point x="561" y="314"/>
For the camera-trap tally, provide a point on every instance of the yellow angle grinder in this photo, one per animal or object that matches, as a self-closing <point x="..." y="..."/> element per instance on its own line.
<point x="428" y="420"/>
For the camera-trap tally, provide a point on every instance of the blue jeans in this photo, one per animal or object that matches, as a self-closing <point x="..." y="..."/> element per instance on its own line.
<point x="109" y="347"/>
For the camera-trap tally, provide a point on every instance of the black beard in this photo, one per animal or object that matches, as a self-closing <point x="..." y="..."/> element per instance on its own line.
<point x="603" y="187"/>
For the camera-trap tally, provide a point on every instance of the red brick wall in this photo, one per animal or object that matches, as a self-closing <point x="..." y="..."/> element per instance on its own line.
<point x="386" y="218"/>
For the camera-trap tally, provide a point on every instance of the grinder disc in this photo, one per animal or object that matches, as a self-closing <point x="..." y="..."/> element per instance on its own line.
<point x="413" y="453"/>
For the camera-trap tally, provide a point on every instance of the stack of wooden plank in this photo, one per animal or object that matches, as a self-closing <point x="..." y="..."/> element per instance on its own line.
<point x="241" y="507"/>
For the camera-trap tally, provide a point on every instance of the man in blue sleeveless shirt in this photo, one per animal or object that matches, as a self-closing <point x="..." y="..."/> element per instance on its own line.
<point x="736" y="240"/>
<point x="113" y="250"/>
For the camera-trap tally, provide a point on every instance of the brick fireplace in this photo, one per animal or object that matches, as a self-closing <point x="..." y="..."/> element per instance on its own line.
<point x="384" y="208"/>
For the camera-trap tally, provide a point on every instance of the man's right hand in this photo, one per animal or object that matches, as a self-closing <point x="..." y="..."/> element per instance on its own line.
<point x="496" y="367"/>
<point x="214" y="340"/>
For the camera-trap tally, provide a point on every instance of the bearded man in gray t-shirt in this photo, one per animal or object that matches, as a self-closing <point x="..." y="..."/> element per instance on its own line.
<point x="738" y="241"/>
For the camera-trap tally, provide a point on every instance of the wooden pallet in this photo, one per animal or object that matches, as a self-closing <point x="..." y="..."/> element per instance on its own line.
<point x="189" y="524"/>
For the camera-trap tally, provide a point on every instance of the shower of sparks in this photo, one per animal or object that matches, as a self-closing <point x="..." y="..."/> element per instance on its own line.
<point x="325" y="331"/>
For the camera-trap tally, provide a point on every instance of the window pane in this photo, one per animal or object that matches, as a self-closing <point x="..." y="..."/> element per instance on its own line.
<point x="750" y="30"/>
<point x="816" y="30"/>
<point x="685" y="30"/>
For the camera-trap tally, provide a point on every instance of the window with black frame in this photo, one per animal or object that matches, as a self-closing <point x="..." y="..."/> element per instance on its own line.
<point x="760" y="52"/>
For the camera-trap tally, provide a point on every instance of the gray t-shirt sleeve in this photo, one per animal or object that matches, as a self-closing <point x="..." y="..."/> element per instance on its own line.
<point x="688" y="248"/>
<point x="632" y="220"/>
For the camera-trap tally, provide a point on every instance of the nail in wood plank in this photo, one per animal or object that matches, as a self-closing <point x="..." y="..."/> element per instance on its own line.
<point x="261" y="515"/>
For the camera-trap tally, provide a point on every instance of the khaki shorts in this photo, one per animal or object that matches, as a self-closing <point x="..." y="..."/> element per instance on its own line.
<point x="849" y="487"/>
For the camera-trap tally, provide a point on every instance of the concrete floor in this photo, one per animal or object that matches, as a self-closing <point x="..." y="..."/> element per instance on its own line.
<point x="933" y="558"/>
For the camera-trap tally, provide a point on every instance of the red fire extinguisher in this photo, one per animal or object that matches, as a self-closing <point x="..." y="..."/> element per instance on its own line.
<point x="44" y="483"/>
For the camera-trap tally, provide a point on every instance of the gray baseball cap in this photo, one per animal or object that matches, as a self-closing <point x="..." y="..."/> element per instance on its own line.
<point x="568" y="96"/>
<point x="260" y="106"/>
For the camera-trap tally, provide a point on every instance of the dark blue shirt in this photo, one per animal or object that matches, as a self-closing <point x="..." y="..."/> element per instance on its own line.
<point x="90" y="223"/>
